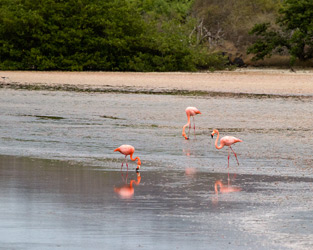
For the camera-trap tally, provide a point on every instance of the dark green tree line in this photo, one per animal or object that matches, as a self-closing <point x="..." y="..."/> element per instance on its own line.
<point x="119" y="35"/>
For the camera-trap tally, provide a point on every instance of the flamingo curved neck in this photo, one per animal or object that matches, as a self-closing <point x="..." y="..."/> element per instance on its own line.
<point x="216" y="141"/>
<point x="187" y="124"/>
<point x="136" y="158"/>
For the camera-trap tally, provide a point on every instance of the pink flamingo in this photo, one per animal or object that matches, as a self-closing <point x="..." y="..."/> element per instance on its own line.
<point x="226" y="141"/>
<point x="190" y="111"/>
<point x="128" y="150"/>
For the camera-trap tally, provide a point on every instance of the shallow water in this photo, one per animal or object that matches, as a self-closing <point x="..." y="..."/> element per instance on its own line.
<point x="276" y="132"/>
<point x="265" y="202"/>
<point x="52" y="204"/>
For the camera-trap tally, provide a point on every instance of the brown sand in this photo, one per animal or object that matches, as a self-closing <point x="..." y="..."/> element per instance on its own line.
<point x="278" y="82"/>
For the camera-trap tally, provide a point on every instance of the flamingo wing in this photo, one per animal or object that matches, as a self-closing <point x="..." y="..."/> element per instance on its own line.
<point x="229" y="140"/>
<point x="126" y="149"/>
<point x="192" y="111"/>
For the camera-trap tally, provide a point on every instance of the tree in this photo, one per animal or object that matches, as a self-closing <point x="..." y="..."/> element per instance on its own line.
<point x="68" y="35"/>
<point x="110" y="35"/>
<point x="294" y="33"/>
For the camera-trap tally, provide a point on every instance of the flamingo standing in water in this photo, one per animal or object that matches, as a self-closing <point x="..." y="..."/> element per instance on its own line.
<point x="226" y="141"/>
<point x="190" y="111"/>
<point x="128" y="150"/>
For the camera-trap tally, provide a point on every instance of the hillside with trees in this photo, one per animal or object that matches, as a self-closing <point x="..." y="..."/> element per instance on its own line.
<point x="146" y="35"/>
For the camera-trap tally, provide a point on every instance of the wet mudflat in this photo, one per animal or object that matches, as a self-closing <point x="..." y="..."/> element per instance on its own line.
<point x="185" y="197"/>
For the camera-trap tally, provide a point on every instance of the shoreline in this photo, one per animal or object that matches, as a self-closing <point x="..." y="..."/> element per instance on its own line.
<point x="274" y="82"/>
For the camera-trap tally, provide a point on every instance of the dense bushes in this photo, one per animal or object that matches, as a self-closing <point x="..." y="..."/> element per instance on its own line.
<point x="118" y="35"/>
<point x="293" y="33"/>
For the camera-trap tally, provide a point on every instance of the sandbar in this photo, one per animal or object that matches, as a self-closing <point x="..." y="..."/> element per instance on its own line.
<point x="252" y="81"/>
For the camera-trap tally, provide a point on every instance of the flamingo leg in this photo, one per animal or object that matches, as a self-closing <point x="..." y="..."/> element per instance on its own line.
<point x="228" y="156"/>
<point x="122" y="164"/>
<point x="126" y="162"/>
<point x="235" y="155"/>
<point x="194" y="125"/>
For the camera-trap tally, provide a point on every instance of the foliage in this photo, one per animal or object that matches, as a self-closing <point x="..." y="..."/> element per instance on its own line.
<point x="68" y="35"/>
<point x="231" y="20"/>
<point x="294" y="32"/>
<point x="165" y="9"/>
<point x="110" y="35"/>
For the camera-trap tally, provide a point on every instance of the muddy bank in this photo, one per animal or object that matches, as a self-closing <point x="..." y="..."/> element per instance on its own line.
<point x="240" y="82"/>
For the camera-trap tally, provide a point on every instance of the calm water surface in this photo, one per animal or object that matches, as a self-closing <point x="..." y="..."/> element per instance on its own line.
<point x="63" y="202"/>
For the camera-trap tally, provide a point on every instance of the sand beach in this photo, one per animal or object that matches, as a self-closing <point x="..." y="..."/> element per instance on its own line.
<point x="249" y="81"/>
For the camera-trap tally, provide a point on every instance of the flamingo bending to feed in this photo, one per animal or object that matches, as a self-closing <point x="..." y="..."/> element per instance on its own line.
<point x="128" y="150"/>
<point x="190" y="111"/>
<point x="226" y="141"/>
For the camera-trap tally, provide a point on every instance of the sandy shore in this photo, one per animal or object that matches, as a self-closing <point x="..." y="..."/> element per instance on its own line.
<point x="277" y="82"/>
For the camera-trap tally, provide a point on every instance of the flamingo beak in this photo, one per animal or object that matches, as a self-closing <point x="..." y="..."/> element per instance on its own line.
<point x="212" y="135"/>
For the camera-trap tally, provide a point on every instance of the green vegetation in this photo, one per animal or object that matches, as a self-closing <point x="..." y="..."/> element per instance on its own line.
<point x="293" y="33"/>
<point x="231" y="20"/>
<point x="149" y="35"/>
<point x="118" y="35"/>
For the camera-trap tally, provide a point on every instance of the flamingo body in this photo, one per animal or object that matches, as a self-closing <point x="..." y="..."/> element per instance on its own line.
<point x="229" y="140"/>
<point x="125" y="149"/>
<point x="128" y="150"/>
<point x="190" y="111"/>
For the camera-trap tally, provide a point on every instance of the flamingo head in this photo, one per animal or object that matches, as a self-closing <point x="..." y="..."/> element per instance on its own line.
<point x="138" y="164"/>
<point x="117" y="149"/>
<point x="215" y="131"/>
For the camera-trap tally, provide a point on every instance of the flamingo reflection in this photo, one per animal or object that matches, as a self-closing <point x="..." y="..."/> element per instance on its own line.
<point x="221" y="188"/>
<point x="189" y="171"/>
<point x="127" y="191"/>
